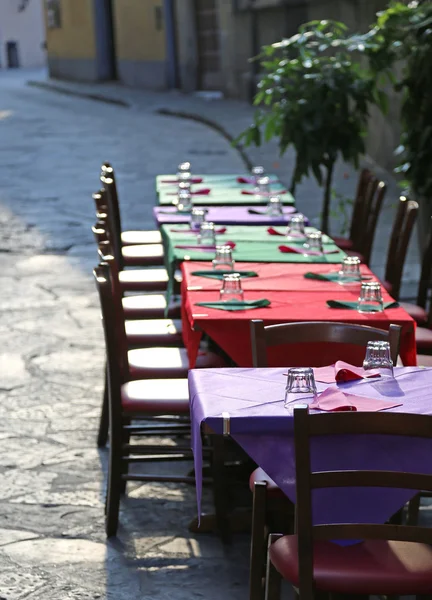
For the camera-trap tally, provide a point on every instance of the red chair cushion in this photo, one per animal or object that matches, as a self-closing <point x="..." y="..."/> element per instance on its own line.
<point x="150" y="306"/>
<point x="143" y="280"/>
<point x="260" y="475"/>
<point x="148" y="363"/>
<point x="418" y="313"/>
<point x="358" y="254"/>
<point x="156" y="396"/>
<point x="423" y="339"/>
<point x="424" y="360"/>
<point x="343" y="243"/>
<point x="154" y="332"/>
<point x="388" y="286"/>
<point x="143" y="255"/>
<point x="130" y="238"/>
<point x="371" y="567"/>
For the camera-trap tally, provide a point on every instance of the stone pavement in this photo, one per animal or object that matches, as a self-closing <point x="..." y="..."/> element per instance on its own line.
<point x="52" y="542"/>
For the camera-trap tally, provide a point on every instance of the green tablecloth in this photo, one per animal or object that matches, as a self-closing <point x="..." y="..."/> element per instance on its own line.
<point x="225" y="180"/>
<point x="235" y="233"/>
<point x="230" y="197"/>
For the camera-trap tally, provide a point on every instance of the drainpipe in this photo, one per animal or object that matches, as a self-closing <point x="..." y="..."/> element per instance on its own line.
<point x="170" y="33"/>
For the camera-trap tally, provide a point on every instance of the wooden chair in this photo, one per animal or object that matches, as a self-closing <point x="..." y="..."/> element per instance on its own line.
<point x="403" y="226"/>
<point x="141" y="255"/>
<point x="168" y="360"/>
<point x="311" y="562"/>
<point x="137" y="400"/>
<point x="366" y="210"/>
<point x="128" y="238"/>
<point x="267" y="496"/>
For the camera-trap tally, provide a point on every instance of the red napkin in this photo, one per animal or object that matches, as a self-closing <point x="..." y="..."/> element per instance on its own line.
<point x="251" y="180"/>
<point x="253" y="193"/>
<point x="333" y="400"/>
<point x="273" y="231"/>
<point x="176" y="181"/>
<point x="342" y="371"/>
<point x="221" y="230"/>
<point x="202" y="247"/>
<point x="203" y="192"/>
<point x="300" y="250"/>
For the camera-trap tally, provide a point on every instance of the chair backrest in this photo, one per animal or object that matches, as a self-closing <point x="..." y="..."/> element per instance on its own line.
<point x="108" y="218"/>
<point x="403" y="226"/>
<point x="109" y="183"/>
<point x="307" y="426"/>
<point x="425" y="283"/>
<point x="100" y="203"/>
<point x="99" y="231"/>
<point x="312" y="332"/>
<point x="365" y="180"/>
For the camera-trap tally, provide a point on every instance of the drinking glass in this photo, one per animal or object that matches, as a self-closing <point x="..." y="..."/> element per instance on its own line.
<point x="223" y="258"/>
<point x="378" y="357"/>
<point x="262" y="187"/>
<point x="300" y="383"/>
<point x="207" y="235"/>
<point x="296" y="226"/>
<point x="370" y="299"/>
<point x="184" y="171"/>
<point x="314" y="242"/>
<point x="231" y="288"/>
<point x="350" y="270"/>
<point x="184" y="201"/>
<point x="274" y="207"/>
<point x="197" y="218"/>
<point x="257" y="172"/>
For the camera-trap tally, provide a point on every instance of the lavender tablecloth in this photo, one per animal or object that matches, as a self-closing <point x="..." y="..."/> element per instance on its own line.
<point x="227" y="215"/>
<point x="264" y="429"/>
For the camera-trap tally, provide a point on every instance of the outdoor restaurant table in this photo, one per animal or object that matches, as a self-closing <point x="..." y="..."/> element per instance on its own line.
<point x="219" y="196"/>
<point x="259" y="423"/>
<point x="228" y="180"/>
<point x="226" y="215"/>
<point x="231" y="330"/>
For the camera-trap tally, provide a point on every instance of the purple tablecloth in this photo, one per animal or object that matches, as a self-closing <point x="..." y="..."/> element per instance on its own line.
<point x="264" y="429"/>
<point x="228" y="215"/>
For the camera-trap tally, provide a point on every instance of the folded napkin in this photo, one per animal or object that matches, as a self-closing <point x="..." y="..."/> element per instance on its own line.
<point x="251" y="180"/>
<point x="177" y="181"/>
<point x="300" y="250"/>
<point x="333" y="400"/>
<point x="220" y="273"/>
<point x="267" y="194"/>
<point x="174" y="230"/>
<point x="203" y="192"/>
<point x="233" y="305"/>
<point x="287" y="210"/>
<point x="273" y="231"/>
<point x="334" y="277"/>
<point x="342" y="372"/>
<point x="202" y="247"/>
<point x="353" y="305"/>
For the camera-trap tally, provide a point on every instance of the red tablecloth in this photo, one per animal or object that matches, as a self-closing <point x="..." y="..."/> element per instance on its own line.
<point x="272" y="276"/>
<point x="231" y="330"/>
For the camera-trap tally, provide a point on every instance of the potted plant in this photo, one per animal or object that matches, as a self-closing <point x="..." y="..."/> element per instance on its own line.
<point x="314" y="96"/>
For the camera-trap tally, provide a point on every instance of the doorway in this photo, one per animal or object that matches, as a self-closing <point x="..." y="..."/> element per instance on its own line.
<point x="208" y="42"/>
<point x="12" y="56"/>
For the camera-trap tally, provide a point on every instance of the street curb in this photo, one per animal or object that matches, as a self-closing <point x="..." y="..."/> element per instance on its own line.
<point x="87" y="95"/>
<point x="212" y="124"/>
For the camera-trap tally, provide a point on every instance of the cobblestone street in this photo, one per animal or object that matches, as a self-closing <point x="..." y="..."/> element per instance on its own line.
<point x="52" y="541"/>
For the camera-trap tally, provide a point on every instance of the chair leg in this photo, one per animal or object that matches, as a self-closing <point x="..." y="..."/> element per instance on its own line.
<point x="125" y="465"/>
<point x="114" y="481"/>
<point x="257" y="552"/>
<point x="102" y="437"/>
<point x="273" y="578"/>
<point x="413" y="510"/>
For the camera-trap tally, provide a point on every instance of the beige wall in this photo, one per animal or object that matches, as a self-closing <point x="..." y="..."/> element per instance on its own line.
<point x="135" y="28"/>
<point x="75" y="39"/>
<point x="26" y="28"/>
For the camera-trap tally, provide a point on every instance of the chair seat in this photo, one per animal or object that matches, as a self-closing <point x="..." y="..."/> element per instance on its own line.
<point x="146" y="280"/>
<point x="154" y="332"/>
<point x="130" y="238"/>
<point x="158" y="362"/>
<point x="370" y="567"/>
<point x="150" y="306"/>
<point x="143" y="255"/>
<point x="424" y="360"/>
<point x="423" y="340"/>
<point x="343" y="243"/>
<point x="156" y="396"/>
<point x="259" y="475"/>
<point x="415" y="311"/>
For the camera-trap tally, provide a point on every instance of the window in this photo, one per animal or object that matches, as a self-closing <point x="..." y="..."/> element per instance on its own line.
<point x="53" y="12"/>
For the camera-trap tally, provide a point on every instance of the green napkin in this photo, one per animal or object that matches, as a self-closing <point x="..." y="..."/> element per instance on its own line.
<point x="221" y="273"/>
<point x="331" y="277"/>
<point x="353" y="305"/>
<point x="236" y="304"/>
